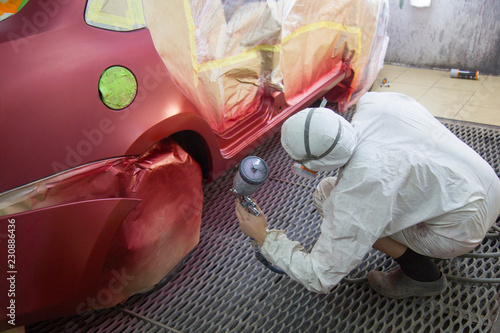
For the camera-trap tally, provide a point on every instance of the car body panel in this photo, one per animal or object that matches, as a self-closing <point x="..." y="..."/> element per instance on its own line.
<point x="47" y="74"/>
<point x="63" y="212"/>
<point x="59" y="252"/>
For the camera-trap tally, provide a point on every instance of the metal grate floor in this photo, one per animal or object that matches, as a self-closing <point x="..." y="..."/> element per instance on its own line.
<point x="222" y="288"/>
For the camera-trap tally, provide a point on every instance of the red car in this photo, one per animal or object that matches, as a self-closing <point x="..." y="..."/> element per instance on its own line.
<point x="114" y="112"/>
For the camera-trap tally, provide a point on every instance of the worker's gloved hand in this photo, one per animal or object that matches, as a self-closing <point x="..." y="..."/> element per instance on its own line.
<point x="322" y="192"/>
<point x="253" y="226"/>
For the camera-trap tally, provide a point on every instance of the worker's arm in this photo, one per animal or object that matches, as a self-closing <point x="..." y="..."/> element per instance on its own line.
<point x="253" y="226"/>
<point x="337" y="251"/>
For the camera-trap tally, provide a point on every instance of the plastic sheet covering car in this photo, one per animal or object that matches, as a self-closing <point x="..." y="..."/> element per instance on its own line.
<point x="104" y="260"/>
<point x="226" y="55"/>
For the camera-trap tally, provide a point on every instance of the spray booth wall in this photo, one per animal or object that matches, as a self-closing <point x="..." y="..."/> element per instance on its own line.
<point x="448" y="34"/>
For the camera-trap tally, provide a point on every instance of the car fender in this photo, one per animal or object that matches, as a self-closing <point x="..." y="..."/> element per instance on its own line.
<point x="55" y="256"/>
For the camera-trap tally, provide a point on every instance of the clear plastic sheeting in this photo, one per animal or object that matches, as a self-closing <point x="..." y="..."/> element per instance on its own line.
<point x="150" y="241"/>
<point x="227" y="55"/>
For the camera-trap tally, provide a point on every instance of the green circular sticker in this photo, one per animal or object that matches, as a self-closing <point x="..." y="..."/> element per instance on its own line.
<point x="117" y="87"/>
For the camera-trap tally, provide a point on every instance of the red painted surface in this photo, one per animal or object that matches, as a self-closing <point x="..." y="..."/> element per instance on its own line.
<point x="59" y="252"/>
<point x="134" y="217"/>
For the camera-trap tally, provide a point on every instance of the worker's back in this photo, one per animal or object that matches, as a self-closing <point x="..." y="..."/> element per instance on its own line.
<point x="417" y="170"/>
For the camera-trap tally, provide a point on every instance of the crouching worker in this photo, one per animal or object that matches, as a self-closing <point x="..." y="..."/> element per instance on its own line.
<point x="406" y="186"/>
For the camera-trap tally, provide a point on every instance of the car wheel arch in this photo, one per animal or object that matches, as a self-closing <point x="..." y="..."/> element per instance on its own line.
<point x="192" y="133"/>
<point x="194" y="144"/>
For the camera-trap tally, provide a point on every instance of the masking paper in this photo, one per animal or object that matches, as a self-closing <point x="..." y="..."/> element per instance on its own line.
<point x="226" y="56"/>
<point x="155" y="236"/>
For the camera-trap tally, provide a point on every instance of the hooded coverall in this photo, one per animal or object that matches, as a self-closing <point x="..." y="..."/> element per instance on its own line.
<point x="407" y="177"/>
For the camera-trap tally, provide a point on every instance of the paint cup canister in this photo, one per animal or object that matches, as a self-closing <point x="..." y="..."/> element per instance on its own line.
<point x="253" y="171"/>
<point x="457" y="73"/>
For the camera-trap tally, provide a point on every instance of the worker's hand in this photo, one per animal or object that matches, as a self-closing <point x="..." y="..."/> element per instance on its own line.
<point x="251" y="225"/>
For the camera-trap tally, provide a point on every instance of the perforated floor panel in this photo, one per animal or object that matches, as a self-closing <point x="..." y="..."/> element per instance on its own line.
<point x="222" y="288"/>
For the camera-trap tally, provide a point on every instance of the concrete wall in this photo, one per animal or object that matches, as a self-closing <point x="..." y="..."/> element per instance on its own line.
<point x="462" y="34"/>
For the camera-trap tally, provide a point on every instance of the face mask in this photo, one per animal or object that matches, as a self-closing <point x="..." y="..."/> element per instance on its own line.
<point x="301" y="170"/>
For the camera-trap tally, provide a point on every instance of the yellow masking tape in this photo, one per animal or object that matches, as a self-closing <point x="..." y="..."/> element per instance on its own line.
<point x="197" y="68"/>
<point x="252" y="53"/>
<point x="334" y="26"/>
<point x="327" y="25"/>
<point x="192" y="40"/>
<point x="136" y="11"/>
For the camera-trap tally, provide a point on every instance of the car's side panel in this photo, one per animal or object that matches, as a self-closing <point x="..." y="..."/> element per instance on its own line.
<point x="58" y="254"/>
<point x="51" y="113"/>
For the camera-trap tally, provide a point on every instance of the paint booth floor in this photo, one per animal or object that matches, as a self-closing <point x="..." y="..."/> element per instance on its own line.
<point x="222" y="288"/>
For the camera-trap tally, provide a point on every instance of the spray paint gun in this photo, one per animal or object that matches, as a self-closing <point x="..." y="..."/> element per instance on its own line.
<point x="253" y="171"/>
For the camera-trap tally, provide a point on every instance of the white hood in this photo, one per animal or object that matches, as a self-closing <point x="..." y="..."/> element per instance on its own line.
<point x="323" y="130"/>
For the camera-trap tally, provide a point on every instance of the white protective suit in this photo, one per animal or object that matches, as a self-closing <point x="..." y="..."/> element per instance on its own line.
<point x="408" y="177"/>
